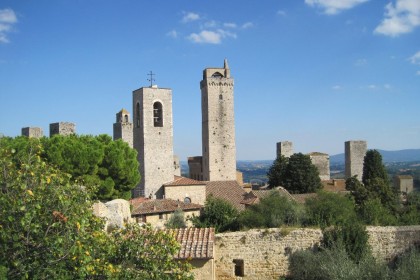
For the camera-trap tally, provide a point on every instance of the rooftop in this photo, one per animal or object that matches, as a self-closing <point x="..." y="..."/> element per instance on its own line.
<point x="157" y="206"/>
<point x="196" y="243"/>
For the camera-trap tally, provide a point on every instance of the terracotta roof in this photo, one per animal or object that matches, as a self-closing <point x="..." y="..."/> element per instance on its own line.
<point x="254" y="196"/>
<point x="230" y="191"/>
<point x="334" y="185"/>
<point x="163" y="206"/>
<point x="196" y="243"/>
<point x="137" y="201"/>
<point x="182" y="181"/>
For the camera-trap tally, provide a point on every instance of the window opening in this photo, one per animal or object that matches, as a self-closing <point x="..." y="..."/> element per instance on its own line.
<point x="157" y="114"/>
<point x="138" y="115"/>
<point x="239" y="267"/>
<point x="187" y="200"/>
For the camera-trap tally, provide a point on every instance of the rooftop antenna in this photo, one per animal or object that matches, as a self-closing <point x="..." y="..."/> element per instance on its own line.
<point x="151" y="80"/>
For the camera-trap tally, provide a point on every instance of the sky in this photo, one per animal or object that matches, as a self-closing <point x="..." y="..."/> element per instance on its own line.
<point x="314" y="72"/>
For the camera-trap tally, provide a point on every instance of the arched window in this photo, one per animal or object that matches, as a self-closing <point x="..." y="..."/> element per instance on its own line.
<point x="187" y="200"/>
<point x="126" y="118"/>
<point x="157" y="114"/>
<point x="138" y="115"/>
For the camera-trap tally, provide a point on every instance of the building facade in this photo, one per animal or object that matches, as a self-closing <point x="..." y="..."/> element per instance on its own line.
<point x="285" y="149"/>
<point x="355" y="152"/>
<point x="123" y="128"/>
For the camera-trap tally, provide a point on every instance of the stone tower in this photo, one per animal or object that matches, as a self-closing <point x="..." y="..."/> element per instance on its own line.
<point x="284" y="148"/>
<point x="34" y="132"/>
<point x="322" y="163"/>
<point x="123" y="128"/>
<point x="62" y="128"/>
<point x="218" y="125"/>
<point x="153" y="139"/>
<point x="355" y="152"/>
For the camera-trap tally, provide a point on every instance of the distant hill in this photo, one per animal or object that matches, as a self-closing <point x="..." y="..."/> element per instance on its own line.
<point x="387" y="156"/>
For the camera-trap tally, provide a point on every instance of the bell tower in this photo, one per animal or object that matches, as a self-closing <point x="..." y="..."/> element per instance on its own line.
<point x="153" y="139"/>
<point x="218" y="125"/>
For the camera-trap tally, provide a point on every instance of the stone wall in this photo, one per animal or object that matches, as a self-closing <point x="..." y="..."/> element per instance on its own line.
<point x="322" y="163"/>
<point x="284" y="148"/>
<point x="355" y="152"/>
<point x="196" y="193"/>
<point x="62" y="128"/>
<point x="34" y="132"/>
<point x="265" y="253"/>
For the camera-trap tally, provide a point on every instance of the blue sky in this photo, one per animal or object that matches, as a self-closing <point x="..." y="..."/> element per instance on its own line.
<point x="314" y="72"/>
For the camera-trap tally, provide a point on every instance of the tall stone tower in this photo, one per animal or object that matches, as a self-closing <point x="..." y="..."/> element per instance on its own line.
<point x="123" y="128"/>
<point x="62" y="128"/>
<point x="218" y="125"/>
<point x="153" y="139"/>
<point x="284" y="148"/>
<point x="35" y="132"/>
<point x="355" y="152"/>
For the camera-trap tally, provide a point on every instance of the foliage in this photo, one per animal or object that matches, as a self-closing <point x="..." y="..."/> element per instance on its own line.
<point x="48" y="230"/>
<point x="272" y="211"/>
<point x="145" y="253"/>
<point x="372" y="212"/>
<point x="351" y="236"/>
<point x="217" y="213"/>
<point x="327" y="209"/>
<point x="93" y="161"/>
<point x="176" y="220"/>
<point x="334" y="264"/>
<point x="411" y="212"/>
<point x="297" y="174"/>
<point x="373" y="167"/>
<point x="276" y="173"/>
<point x="407" y="266"/>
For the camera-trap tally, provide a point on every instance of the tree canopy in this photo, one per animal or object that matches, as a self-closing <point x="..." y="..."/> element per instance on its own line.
<point x="110" y="166"/>
<point x="373" y="167"/>
<point x="296" y="174"/>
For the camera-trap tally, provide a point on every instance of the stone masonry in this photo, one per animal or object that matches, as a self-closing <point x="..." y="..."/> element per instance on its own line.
<point x="264" y="253"/>
<point x="322" y="163"/>
<point x="62" y="128"/>
<point x="285" y="148"/>
<point x="34" y="132"/>
<point x="153" y="139"/>
<point x="218" y="125"/>
<point x="195" y="168"/>
<point x="355" y="152"/>
<point x="123" y="128"/>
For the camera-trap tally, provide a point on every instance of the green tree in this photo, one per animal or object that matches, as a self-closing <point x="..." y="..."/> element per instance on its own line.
<point x="276" y="173"/>
<point x="272" y="211"/>
<point x="373" y="167"/>
<point x="328" y="209"/>
<point x="177" y="220"/>
<point x="48" y="230"/>
<point x="217" y="213"/>
<point x="301" y="176"/>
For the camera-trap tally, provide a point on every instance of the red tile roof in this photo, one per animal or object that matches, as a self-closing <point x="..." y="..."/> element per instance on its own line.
<point x="196" y="243"/>
<point x="254" y="196"/>
<point x="230" y="191"/>
<point x="135" y="202"/>
<point x="182" y="181"/>
<point x="163" y="206"/>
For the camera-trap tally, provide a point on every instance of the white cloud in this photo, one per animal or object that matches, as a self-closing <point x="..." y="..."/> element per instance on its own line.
<point x="281" y="13"/>
<point x="372" y="87"/>
<point x="230" y="25"/>
<point x="361" y="62"/>
<point x="401" y="17"/>
<point x="332" y="7"/>
<point x="337" y="87"/>
<point x="172" y="34"/>
<point x="415" y="59"/>
<point x="7" y="20"/>
<point x="210" y="24"/>
<point x="418" y="73"/>
<point x="387" y="86"/>
<point x="190" y="17"/>
<point x="210" y="37"/>
<point x="247" y="25"/>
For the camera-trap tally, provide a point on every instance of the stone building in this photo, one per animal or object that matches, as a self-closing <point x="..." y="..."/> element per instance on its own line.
<point x="186" y="189"/>
<point x="34" y="132"/>
<point x="177" y="166"/>
<point x="285" y="148"/>
<point x="322" y="163"/>
<point x="403" y="183"/>
<point x="153" y="139"/>
<point x="195" y="168"/>
<point x="123" y="128"/>
<point x="218" y="125"/>
<point x="62" y="128"/>
<point x="355" y="152"/>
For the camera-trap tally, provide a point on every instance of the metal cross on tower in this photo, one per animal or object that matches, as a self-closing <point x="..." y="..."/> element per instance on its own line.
<point x="151" y="80"/>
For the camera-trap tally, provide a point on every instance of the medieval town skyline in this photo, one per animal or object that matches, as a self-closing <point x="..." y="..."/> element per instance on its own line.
<point x="305" y="71"/>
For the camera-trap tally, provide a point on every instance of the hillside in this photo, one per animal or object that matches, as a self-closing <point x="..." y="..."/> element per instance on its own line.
<point x="387" y="156"/>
